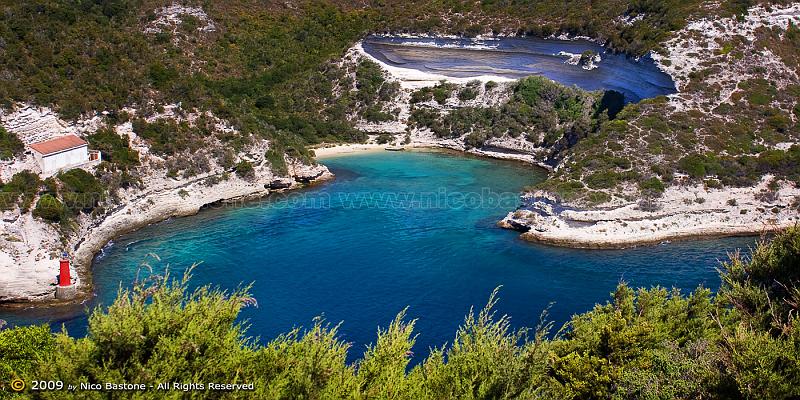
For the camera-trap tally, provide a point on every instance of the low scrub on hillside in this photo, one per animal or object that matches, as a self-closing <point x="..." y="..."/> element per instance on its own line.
<point x="272" y="72"/>
<point x="10" y="145"/>
<point x="741" y="342"/>
<point x="547" y="113"/>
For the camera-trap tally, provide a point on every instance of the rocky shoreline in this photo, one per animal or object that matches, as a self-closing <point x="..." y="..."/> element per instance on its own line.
<point x="682" y="212"/>
<point x="30" y="247"/>
<point x="541" y="218"/>
<point x="159" y="206"/>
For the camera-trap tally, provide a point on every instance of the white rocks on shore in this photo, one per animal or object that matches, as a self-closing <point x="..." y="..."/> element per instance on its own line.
<point x="30" y="248"/>
<point x="680" y="212"/>
<point x="170" y="18"/>
<point x="410" y="80"/>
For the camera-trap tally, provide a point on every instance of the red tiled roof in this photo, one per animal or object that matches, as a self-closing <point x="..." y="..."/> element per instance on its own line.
<point x="57" y="145"/>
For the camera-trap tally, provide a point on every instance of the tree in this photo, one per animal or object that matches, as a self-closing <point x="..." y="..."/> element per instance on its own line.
<point x="245" y="169"/>
<point x="81" y="191"/>
<point x="115" y="148"/>
<point x="50" y="209"/>
<point x="22" y="348"/>
<point x="10" y="145"/>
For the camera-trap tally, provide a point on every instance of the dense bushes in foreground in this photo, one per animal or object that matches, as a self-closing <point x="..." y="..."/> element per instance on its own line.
<point x="654" y="343"/>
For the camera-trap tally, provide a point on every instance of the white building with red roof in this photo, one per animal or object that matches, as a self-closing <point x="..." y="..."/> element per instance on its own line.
<point x="63" y="153"/>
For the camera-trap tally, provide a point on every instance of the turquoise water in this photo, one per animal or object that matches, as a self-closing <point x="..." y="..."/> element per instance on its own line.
<point x="347" y="251"/>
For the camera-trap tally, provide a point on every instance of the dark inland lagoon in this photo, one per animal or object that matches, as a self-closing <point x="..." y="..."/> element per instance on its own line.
<point x="518" y="57"/>
<point x="395" y="229"/>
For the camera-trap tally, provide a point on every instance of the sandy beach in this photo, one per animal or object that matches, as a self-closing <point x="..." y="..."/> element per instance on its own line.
<point x="415" y="79"/>
<point x="338" y="149"/>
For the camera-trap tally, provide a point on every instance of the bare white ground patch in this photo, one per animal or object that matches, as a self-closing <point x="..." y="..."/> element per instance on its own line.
<point x="170" y="19"/>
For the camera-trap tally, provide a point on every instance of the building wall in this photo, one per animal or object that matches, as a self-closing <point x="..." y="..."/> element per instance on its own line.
<point x="53" y="162"/>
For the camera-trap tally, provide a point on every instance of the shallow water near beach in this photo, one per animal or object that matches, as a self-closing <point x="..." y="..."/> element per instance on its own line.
<point x="395" y="229"/>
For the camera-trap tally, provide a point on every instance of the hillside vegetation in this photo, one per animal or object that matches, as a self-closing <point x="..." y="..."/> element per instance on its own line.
<point x="269" y="70"/>
<point x="741" y="342"/>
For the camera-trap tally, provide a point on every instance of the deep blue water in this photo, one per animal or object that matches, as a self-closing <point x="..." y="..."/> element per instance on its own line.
<point x="345" y="250"/>
<point x="520" y="57"/>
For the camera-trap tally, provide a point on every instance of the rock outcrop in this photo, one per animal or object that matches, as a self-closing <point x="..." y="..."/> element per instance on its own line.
<point x="680" y="212"/>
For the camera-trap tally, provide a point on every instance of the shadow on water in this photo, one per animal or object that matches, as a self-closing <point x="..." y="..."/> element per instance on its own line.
<point x="344" y="174"/>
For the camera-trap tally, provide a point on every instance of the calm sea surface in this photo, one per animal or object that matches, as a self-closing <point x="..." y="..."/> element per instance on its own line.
<point x="395" y="229"/>
<point x="519" y="57"/>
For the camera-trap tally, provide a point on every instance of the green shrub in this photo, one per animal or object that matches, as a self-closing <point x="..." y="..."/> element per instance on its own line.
<point x="166" y="137"/>
<point x="20" y="191"/>
<point x="22" y="349"/>
<point x="596" y="197"/>
<point x="161" y="76"/>
<point x="189" y="23"/>
<point x="81" y="192"/>
<point x="602" y="180"/>
<point x="421" y="96"/>
<point x="467" y="93"/>
<point x="277" y="161"/>
<point x="374" y="114"/>
<point x="10" y="145"/>
<point x="244" y="169"/>
<point x="475" y="140"/>
<point x="440" y="92"/>
<point x="50" y="209"/>
<point x="567" y="190"/>
<point x="114" y="148"/>
<point x="652" y="184"/>
<point x="384" y="138"/>
<point x="694" y="165"/>
<point x="369" y="80"/>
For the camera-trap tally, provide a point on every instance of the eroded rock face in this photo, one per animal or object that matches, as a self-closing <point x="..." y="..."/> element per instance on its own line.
<point x="539" y="211"/>
<point x="310" y="173"/>
<point x="690" y="211"/>
<point x="700" y="45"/>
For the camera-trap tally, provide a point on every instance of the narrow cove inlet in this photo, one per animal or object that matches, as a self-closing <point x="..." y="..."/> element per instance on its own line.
<point x="394" y="229"/>
<point x="413" y="200"/>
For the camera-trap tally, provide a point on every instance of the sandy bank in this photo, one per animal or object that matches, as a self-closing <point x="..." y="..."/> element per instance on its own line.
<point x="414" y="79"/>
<point x="338" y="149"/>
